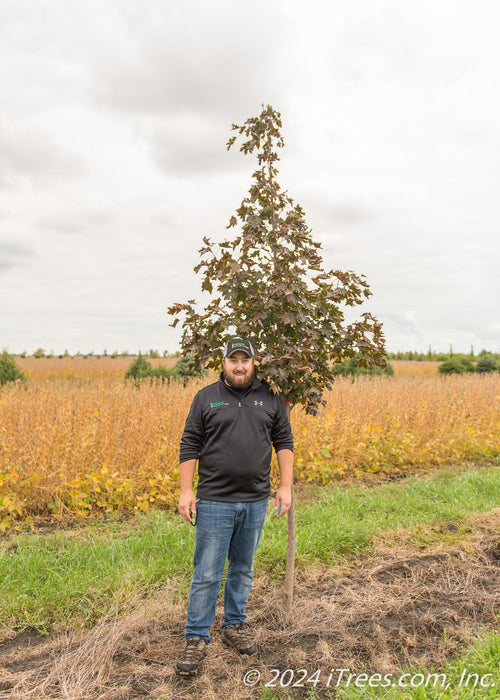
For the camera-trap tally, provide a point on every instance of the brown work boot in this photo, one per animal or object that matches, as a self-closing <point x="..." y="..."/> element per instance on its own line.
<point x="194" y="651"/>
<point x="239" y="638"/>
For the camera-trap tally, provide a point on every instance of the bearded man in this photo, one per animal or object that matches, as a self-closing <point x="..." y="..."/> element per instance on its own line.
<point x="230" y="431"/>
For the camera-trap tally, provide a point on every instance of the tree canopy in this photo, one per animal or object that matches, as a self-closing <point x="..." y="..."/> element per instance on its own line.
<point x="268" y="283"/>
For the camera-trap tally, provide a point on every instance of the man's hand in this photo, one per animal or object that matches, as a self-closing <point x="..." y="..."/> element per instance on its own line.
<point x="283" y="499"/>
<point x="187" y="499"/>
<point x="284" y="494"/>
<point x="187" y="505"/>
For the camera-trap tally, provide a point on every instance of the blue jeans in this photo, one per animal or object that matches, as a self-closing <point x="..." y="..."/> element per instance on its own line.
<point x="223" y="530"/>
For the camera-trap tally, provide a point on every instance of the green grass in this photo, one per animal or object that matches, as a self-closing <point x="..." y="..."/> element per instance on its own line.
<point x="344" y="521"/>
<point x="79" y="575"/>
<point x="76" y="576"/>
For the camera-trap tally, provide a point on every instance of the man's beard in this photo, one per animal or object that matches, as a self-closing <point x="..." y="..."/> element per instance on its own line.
<point x="241" y="381"/>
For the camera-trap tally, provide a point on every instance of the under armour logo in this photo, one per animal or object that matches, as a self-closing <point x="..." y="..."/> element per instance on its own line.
<point x="258" y="403"/>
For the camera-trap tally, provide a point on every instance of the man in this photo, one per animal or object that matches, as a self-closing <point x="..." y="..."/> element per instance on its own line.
<point x="230" y="430"/>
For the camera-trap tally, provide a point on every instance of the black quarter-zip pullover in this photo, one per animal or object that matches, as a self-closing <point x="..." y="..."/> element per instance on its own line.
<point x="232" y="439"/>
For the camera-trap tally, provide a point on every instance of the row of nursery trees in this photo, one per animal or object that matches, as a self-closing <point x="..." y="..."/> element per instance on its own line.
<point x="184" y="369"/>
<point x="142" y="368"/>
<point x="351" y="367"/>
<point x="432" y="356"/>
<point x="412" y="355"/>
<point x="463" y="364"/>
<point x="41" y="352"/>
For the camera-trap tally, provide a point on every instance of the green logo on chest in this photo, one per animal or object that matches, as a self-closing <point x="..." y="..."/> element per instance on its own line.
<point x="214" y="404"/>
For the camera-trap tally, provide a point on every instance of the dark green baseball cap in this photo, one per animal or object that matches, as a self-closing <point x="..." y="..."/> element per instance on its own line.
<point x="240" y="344"/>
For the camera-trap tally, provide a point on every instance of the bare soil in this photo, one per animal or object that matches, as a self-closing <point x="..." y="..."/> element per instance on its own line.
<point x="394" y="608"/>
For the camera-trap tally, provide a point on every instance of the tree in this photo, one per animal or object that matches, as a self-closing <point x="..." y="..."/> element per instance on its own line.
<point x="350" y="368"/>
<point x="185" y="369"/>
<point x="456" y="365"/>
<point x="9" y="371"/>
<point x="142" y="368"/>
<point x="486" y="363"/>
<point x="267" y="283"/>
<point x="139" y="368"/>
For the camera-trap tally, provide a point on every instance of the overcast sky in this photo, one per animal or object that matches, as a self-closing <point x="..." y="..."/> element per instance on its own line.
<point x="114" y="115"/>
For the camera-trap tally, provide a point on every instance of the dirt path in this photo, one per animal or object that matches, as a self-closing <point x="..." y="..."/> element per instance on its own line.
<point x="395" y="607"/>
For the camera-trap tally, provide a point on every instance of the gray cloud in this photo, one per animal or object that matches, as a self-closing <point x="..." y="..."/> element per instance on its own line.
<point x="404" y="324"/>
<point x="78" y="220"/>
<point x="6" y="214"/>
<point x="36" y="156"/>
<point x="163" y="217"/>
<point x="186" y="76"/>
<point x="193" y="146"/>
<point x="197" y="61"/>
<point x="14" y="255"/>
<point x="348" y="213"/>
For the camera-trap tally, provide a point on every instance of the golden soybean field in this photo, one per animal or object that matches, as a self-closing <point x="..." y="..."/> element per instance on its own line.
<point x="77" y="441"/>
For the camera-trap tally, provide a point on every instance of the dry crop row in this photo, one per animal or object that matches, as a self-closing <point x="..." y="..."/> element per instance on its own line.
<point x="387" y="424"/>
<point x="80" y="367"/>
<point x="103" y="444"/>
<point x="114" y="368"/>
<point x="413" y="367"/>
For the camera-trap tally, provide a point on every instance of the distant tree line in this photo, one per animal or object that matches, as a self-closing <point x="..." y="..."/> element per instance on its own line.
<point x="412" y="355"/>
<point x="432" y="356"/>
<point x="141" y="367"/>
<point x="462" y="364"/>
<point x="452" y="362"/>
<point x="40" y="352"/>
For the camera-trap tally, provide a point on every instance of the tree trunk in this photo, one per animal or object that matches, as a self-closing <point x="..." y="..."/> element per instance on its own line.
<point x="290" y="558"/>
<point x="290" y="552"/>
